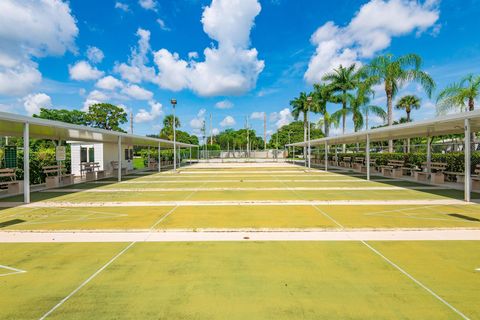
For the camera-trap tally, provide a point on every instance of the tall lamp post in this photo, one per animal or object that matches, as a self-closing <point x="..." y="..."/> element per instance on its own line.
<point x="174" y="103"/>
<point x="309" y="101"/>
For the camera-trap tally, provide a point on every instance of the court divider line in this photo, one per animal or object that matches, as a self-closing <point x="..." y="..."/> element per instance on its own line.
<point x="462" y="315"/>
<point x="89" y="279"/>
<point x="398" y="268"/>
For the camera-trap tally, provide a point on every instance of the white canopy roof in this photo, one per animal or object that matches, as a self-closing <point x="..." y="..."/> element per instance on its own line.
<point x="451" y="124"/>
<point x="12" y="125"/>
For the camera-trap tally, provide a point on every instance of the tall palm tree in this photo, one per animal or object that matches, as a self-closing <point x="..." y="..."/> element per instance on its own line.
<point x="167" y="129"/>
<point x="459" y="95"/>
<point x="300" y="106"/>
<point x="394" y="72"/>
<point x="343" y="80"/>
<point x="322" y="95"/>
<point x="368" y="109"/>
<point x="408" y="103"/>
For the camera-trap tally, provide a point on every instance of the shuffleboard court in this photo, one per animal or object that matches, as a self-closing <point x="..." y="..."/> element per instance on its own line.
<point x="219" y="241"/>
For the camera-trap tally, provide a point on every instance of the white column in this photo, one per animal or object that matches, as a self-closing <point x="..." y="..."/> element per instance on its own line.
<point x="429" y="154"/>
<point x="190" y="155"/>
<point x="367" y="156"/>
<point x="26" y="163"/>
<point x="174" y="141"/>
<point x="179" y="158"/>
<point x="326" y="156"/>
<point x="119" y="172"/>
<point x="159" y="159"/>
<point x="468" y="159"/>
<point x="148" y="158"/>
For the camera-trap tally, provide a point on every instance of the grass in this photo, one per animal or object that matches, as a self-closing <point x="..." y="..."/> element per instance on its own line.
<point x="258" y="280"/>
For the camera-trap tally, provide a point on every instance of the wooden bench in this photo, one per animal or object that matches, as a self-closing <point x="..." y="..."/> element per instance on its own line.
<point x="393" y="168"/>
<point x="92" y="171"/>
<point x="152" y="164"/>
<point x="346" y="162"/>
<point x="55" y="175"/>
<point x="436" y="174"/>
<point x="8" y="179"/>
<point x="373" y="167"/>
<point x="115" y="168"/>
<point x="476" y="179"/>
<point x="358" y="163"/>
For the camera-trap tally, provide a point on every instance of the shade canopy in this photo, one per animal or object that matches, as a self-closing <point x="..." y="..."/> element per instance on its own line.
<point x="12" y="125"/>
<point x="451" y="124"/>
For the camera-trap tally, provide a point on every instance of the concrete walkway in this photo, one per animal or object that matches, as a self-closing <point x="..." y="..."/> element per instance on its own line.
<point x="152" y="236"/>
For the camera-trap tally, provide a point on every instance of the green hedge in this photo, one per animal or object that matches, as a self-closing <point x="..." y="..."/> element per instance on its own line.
<point x="455" y="160"/>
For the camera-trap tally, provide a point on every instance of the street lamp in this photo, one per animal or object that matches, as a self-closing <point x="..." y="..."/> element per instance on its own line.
<point x="174" y="103"/>
<point x="309" y="101"/>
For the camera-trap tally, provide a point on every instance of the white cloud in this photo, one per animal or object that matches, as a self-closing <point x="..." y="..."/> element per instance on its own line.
<point x="95" y="55"/>
<point x="281" y="118"/>
<point x="369" y="32"/>
<point x="136" y="70"/>
<point x="109" y="83"/>
<point x="146" y="116"/>
<point x="82" y="70"/>
<point x="215" y="131"/>
<point x="224" y="104"/>
<point x="257" y="115"/>
<point x="95" y="97"/>
<point x="137" y="92"/>
<point x="148" y="4"/>
<point x="33" y="103"/>
<point x="31" y="29"/>
<point x="228" y="121"/>
<point x="162" y="25"/>
<point x="197" y="122"/>
<point x="230" y="68"/>
<point x="122" y="6"/>
<point x="193" y="55"/>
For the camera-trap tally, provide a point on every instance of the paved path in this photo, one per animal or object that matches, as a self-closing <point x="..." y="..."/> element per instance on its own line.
<point x="214" y="189"/>
<point x="188" y="203"/>
<point x="149" y="236"/>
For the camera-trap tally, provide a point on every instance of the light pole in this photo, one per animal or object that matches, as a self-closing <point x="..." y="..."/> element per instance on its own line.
<point x="174" y="103"/>
<point x="309" y="101"/>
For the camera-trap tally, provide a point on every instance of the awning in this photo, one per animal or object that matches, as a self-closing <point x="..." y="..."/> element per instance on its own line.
<point x="12" y="125"/>
<point x="451" y="124"/>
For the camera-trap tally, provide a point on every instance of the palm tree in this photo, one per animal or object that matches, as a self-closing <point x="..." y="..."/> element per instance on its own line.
<point x="368" y="109"/>
<point x="408" y="103"/>
<point x="300" y="106"/>
<point x="459" y="95"/>
<point x="322" y="95"/>
<point x="394" y="73"/>
<point x="343" y="80"/>
<point x="167" y="129"/>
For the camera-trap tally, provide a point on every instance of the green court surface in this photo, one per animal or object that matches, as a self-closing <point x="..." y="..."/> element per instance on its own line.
<point x="244" y="279"/>
<point x="238" y="280"/>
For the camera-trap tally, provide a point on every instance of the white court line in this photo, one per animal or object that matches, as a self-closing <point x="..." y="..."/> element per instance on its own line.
<point x="214" y="189"/>
<point x="151" y="181"/>
<point x="110" y="262"/>
<point x="208" y="203"/>
<point x="14" y="271"/>
<point x="84" y="283"/>
<point x="416" y="281"/>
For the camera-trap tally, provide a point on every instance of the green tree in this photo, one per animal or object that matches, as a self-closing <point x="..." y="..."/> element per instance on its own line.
<point x="106" y="116"/>
<point x="394" y="72"/>
<point x="63" y="115"/>
<point x="408" y="103"/>
<point x="167" y="130"/>
<point x="343" y="80"/>
<point x="301" y="105"/>
<point x="291" y="133"/>
<point x="322" y="95"/>
<point x="461" y="95"/>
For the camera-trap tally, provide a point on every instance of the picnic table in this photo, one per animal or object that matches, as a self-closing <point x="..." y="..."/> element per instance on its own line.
<point x="8" y="180"/>
<point x="56" y="174"/>
<point x="435" y="174"/>
<point x="394" y="168"/>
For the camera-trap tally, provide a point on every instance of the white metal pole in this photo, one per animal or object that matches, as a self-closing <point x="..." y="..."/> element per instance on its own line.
<point x="190" y="155"/>
<point x="148" y="158"/>
<point x="367" y="158"/>
<point x="326" y="156"/>
<point x="119" y="172"/>
<point x="159" y="159"/>
<point x="179" y="158"/>
<point x="309" y="146"/>
<point x="429" y="154"/>
<point x="26" y="163"/>
<point x="174" y="141"/>
<point x="468" y="159"/>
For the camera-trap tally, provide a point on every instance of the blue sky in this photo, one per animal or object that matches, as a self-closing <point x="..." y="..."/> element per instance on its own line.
<point x="246" y="56"/>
